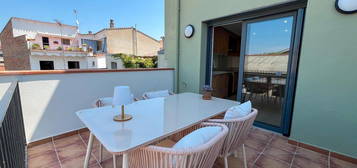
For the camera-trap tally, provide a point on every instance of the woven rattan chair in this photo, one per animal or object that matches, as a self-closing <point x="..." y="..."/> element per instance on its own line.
<point x="202" y="156"/>
<point x="238" y="129"/>
<point x="156" y="94"/>
<point x="106" y="101"/>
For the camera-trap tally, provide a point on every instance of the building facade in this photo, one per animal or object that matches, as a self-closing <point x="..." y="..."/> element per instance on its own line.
<point x="2" y="66"/>
<point x="36" y="45"/>
<point x="236" y="49"/>
<point x="112" y="40"/>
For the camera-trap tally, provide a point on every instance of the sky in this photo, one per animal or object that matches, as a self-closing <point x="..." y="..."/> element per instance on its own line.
<point x="93" y="15"/>
<point x="269" y="36"/>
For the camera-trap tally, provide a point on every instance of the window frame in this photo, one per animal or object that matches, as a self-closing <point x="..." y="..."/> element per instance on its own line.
<point x="43" y="61"/>
<point x="75" y="63"/>
<point x="64" y="41"/>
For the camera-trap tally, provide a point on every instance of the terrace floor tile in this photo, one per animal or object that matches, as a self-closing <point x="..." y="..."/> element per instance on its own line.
<point x="264" y="149"/>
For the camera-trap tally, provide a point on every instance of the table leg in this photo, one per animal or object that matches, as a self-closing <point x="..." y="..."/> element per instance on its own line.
<point x="89" y="150"/>
<point x="125" y="161"/>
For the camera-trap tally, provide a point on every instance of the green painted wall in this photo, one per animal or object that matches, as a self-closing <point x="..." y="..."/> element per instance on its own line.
<point x="191" y="63"/>
<point x="325" y="109"/>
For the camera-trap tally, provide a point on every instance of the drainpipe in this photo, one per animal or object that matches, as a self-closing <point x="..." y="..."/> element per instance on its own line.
<point x="178" y="45"/>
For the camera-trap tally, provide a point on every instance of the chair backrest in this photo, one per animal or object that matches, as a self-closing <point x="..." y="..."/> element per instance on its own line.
<point x="107" y="101"/>
<point x="202" y="156"/>
<point x="156" y="94"/>
<point x="238" y="130"/>
<point x="104" y="101"/>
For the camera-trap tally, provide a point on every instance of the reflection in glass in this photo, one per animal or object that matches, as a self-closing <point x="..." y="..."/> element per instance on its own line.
<point x="266" y="65"/>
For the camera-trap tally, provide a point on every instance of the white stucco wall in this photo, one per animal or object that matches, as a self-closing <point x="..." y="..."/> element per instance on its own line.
<point x="49" y="102"/>
<point x="31" y="28"/>
<point x="59" y="62"/>
<point x="100" y="62"/>
<point x="110" y="59"/>
<point x="162" y="60"/>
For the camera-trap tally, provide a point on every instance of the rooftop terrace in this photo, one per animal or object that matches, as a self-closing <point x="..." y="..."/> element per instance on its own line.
<point x="264" y="150"/>
<point x="56" y="138"/>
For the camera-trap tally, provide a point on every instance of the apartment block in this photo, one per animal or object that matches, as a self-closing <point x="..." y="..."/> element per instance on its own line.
<point x="36" y="45"/>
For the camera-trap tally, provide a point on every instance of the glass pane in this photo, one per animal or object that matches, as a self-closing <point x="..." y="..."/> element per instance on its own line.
<point x="266" y="66"/>
<point x="226" y="55"/>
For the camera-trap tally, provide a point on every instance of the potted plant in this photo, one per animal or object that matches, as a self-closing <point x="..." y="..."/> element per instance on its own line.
<point x="46" y="47"/>
<point x="207" y="92"/>
<point x="59" y="48"/>
<point x="84" y="47"/>
<point x="36" y="46"/>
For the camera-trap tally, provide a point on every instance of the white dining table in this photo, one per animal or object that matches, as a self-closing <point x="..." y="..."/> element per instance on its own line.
<point x="153" y="120"/>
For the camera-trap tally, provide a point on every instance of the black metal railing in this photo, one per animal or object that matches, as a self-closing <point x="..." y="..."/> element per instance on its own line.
<point x="12" y="132"/>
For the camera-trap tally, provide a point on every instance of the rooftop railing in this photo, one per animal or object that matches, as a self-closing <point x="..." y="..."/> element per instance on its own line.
<point x="50" y="52"/>
<point x="12" y="132"/>
<point x="49" y="99"/>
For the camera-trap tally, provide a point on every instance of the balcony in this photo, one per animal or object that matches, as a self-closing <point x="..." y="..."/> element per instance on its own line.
<point x="64" y="53"/>
<point x="55" y="137"/>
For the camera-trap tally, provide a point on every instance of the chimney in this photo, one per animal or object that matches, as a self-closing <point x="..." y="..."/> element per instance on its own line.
<point x="162" y="42"/>
<point x="89" y="32"/>
<point x="111" y="23"/>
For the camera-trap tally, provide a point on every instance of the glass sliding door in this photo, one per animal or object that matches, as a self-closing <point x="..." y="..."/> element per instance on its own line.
<point x="265" y="65"/>
<point x="255" y="59"/>
<point x="226" y="41"/>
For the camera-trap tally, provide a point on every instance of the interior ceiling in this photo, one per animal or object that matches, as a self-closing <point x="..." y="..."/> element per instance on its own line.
<point x="235" y="28"/>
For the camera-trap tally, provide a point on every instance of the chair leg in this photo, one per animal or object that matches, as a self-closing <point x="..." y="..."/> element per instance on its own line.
<point x="244" y="157"/>
<point x="114" y="161"/>
<point x="225" y="162"/>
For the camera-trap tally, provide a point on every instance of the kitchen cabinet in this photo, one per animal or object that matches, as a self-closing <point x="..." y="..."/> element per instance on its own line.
<point x="220" y="85"/>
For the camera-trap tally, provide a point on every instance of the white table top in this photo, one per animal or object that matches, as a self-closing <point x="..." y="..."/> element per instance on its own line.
<point x="153" y="119"/>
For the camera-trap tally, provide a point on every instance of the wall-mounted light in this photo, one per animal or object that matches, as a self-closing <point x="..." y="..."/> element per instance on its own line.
<point x="346" y="6"/>
<point x="189" y="31"/>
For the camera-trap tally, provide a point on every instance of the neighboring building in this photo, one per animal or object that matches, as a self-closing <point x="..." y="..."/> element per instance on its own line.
<point x="161" y="57"/>
<point x="114" y="40"/>
<point x="2" y="67"/>
<point x="36" y="45"/>
<point x="295" y="60"/>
